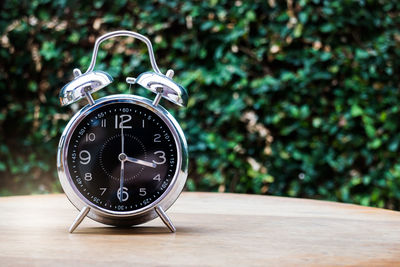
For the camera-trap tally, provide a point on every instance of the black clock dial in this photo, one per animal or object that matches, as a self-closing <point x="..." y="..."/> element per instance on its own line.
<point x="119" y="134"/>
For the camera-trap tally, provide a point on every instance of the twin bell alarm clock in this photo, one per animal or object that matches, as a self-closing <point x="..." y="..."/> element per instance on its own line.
<point x="122" y="159"/>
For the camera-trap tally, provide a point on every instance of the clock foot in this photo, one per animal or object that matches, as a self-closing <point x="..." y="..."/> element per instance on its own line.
<point x="79" y="218"/>
<point x="164" y="217"/>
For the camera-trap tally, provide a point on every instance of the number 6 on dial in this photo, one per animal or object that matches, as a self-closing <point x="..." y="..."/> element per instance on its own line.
<point x="125" y="194"/>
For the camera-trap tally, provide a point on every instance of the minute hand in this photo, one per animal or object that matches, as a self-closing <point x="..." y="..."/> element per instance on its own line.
<point x="141" y="162"/>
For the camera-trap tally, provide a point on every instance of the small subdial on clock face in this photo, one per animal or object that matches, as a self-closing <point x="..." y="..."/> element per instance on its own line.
<point x="133" y="147"/>
<point x="122" y="146"/>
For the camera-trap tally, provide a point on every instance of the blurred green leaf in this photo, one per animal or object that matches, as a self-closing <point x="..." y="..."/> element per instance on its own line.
<point x="295" y="100"/>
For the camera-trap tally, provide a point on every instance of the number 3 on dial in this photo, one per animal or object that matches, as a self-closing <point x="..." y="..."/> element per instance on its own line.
<point x="162" y="157"/>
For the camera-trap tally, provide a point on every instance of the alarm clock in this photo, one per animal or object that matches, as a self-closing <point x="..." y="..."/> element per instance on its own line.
<point x="122" y="159"/>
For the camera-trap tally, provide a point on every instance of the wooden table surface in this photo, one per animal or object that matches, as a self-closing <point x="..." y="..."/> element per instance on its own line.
<point x="212" y="229"/>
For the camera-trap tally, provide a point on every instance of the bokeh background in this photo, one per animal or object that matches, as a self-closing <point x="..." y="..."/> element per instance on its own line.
<point x="287" y="98"/>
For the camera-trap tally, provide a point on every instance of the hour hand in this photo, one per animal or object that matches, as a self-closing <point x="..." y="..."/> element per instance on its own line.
<point x="141" y="162"/>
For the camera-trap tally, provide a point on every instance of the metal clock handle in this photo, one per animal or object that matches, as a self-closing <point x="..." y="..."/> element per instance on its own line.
<point x="127" y="34"/>
<point x="84" y="85"/>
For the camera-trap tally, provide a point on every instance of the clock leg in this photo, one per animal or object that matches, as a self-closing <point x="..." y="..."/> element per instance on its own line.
<point x="164" y="217"/>
<point x="79" y="218"/>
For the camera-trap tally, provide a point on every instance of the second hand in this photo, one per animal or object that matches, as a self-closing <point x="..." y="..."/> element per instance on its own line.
<point x="121" y="179"/>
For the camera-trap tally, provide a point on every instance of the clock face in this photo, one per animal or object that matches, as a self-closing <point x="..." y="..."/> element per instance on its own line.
<point x="122" y="146"/>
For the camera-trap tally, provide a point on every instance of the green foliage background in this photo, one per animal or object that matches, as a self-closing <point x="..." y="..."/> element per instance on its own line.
<point x="295" y="98"/>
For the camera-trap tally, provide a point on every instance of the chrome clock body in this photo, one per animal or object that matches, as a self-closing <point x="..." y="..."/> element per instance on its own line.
<point x="124" y="218"/>
<point x="82" y="87"/>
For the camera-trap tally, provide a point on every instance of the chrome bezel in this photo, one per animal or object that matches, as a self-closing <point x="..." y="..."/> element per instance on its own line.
<point x="124" y="218"/>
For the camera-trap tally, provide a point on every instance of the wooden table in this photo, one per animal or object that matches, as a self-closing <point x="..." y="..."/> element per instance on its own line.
<point x="212" y="229"/>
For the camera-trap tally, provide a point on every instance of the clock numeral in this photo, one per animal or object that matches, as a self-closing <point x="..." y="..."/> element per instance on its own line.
<point x="84" y="156"/>
<point x="157" y="138"/>
<point x="162" y="157"/>
<point x="164" y="185"/>
<point x="88" y="176"/>
<point x="90" y="137"/>
<point x="142" y="123"/>
<point x="125" y="194"/>
<point x="104" y="123"/>
<point x="124" y="118"/>
<point x="142" y="192"/>
<point x="157" y="177"/>
<point x="103" y="190"/>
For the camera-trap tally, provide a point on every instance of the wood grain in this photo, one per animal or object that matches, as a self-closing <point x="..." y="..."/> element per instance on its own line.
<point x="212" y="230"/>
